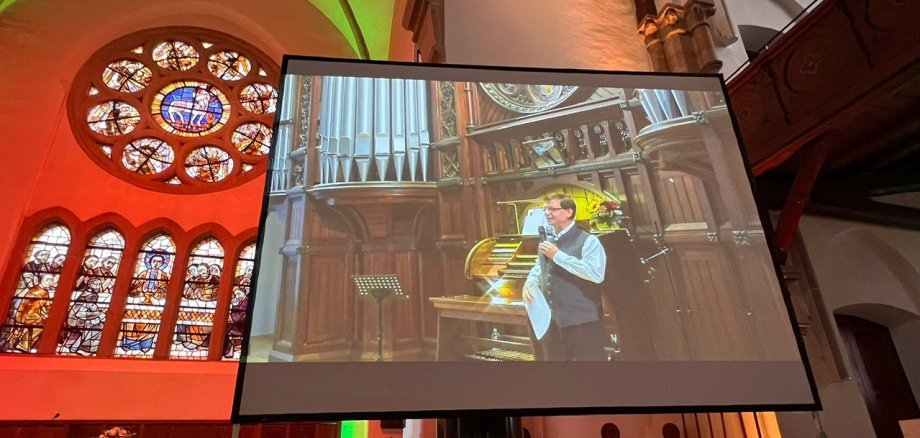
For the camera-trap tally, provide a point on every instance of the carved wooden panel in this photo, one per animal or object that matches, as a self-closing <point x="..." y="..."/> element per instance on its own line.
<point x="330" y="301"/>
<point x="378" y="220"/>
<point x="326" y="224"/>
<point x="838" y="65"/>
<point x="289" y="304"/>
<point x="680" y="199"/>
<point x="433" y="284"/>
<point x="774" y="340"/>
<point x="812" y="70"/>
<point x="715" y="314"/>
<point x="406" y="322"/>
<point x="490" y="112"/>
<point x="450" y="214"/>
<point x="638" y="207"/>
<point x="879" y="23"/>
<point x="667" y="302"/>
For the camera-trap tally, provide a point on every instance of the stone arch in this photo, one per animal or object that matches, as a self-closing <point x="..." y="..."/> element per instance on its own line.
<point x="866" y="270"/>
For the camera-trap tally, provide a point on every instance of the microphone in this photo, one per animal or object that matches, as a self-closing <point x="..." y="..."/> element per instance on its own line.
<point x="541" y="230"/>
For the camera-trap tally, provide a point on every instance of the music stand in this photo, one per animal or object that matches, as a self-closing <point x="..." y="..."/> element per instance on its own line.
<point x="380" y="287"/>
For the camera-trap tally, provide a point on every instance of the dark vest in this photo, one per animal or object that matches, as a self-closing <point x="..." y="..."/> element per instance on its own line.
<point x="574" y="300"/>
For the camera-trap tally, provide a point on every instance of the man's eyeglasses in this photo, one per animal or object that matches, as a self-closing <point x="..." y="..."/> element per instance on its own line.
<point x="552" y="209"/>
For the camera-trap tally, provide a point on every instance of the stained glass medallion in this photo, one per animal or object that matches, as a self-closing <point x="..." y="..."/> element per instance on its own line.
<point x="113" y="118"/>
<point x="149" y="111"/>
<point x="209" y="164"/>
<point x="252" y="138"/>
<point x="127" y="76"/>
<point x="148" y="156"/>
<point x="259" y="98"/>
<point x="175" y="55"/>
<point x="229" y="66"/>
<point x="190" y="109"/>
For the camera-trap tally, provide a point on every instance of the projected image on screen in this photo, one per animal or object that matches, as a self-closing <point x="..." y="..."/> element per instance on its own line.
<point x="434" y="226"/>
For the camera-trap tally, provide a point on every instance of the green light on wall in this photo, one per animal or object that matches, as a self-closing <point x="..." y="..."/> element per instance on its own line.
<point x="5" y="4"/>
<point x="354" y="429"/>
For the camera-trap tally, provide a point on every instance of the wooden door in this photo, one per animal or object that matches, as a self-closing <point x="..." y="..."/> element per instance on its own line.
<point x="879" y="373"/>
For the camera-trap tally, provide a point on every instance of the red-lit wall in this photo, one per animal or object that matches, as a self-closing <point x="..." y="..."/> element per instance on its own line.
<point x="42" y="166"/>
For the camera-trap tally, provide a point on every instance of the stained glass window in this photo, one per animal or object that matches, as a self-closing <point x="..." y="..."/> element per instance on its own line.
<point x="177" y="114"/>
<point x="259" y="98"/>
<point x="190" y="109"/>
<point x="229" y="66"/>
<point x="175" y="55"/>
<point x="38" y="280"/>
<point x="148" y="156"/>
<point x="239" y="302"/>
<point x="113" y="118"/>
<point x="127" y="76"/>
<point x="92" y="294"/>
<point x="199" y="301"/>
<point x="209" y="164"/>
<point x="146" y="298"/>
<point x="252" y="138"/>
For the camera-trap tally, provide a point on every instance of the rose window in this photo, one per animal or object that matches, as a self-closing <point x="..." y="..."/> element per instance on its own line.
<point x="177" y="110"/>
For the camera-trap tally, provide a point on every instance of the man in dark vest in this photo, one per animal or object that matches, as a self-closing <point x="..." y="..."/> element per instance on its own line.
<point x="569" y="271"/>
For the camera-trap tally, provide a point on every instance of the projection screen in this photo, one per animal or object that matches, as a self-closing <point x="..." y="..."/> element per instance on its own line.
<point x="445" y="239"/>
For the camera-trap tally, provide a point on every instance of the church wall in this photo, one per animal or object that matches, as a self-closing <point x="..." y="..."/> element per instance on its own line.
<point x="401" y="46"/>
<point x="868" y="271"/>
<point x="112" y="389"/>
<point x="542" y="33"/>
<point x="48" y="168"/>
<point x="45" y="44"/>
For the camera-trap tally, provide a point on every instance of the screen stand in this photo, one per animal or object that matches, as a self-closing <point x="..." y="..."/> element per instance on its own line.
<point x="486" y="426"/>
<point x="379" y="287"/>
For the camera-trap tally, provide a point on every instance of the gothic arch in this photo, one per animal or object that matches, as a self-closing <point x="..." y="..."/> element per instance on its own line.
<point x="868" y="270"/>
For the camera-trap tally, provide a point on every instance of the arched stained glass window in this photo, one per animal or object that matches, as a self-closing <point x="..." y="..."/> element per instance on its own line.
<point x="146" y="298"/>
<point x="178" y="110"/>
<point x="239" y="302"/>
<point x="38" y="281"/>
<point x="92" y="294"/>
<point x="199" y="301"/>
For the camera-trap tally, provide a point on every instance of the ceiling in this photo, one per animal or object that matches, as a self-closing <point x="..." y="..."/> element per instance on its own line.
<point x="840" y="90"/>
<point x="365" y="24"/>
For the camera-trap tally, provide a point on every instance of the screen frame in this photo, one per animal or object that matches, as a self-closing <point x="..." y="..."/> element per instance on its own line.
<point x="368" y="68"/>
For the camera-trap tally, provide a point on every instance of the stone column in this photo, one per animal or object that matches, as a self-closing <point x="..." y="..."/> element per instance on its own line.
<point x="679" y="38"/>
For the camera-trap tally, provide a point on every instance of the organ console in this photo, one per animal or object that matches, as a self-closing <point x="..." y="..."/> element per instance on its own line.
<point x="494" y="326"/>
